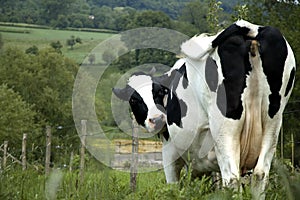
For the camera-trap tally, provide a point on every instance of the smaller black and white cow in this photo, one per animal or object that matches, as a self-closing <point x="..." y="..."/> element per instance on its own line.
<point x="222" y="103"/>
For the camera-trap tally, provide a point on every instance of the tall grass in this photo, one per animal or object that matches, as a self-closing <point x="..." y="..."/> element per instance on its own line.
<point x="111" y="184"/>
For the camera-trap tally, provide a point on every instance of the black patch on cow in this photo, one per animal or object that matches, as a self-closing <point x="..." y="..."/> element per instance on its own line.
<point x="211" y="74"/>
<point x="232" y="30"/>
<point x="164" y="132"/>
<point x="176" y="108"/>
<point x="178" y="74"/>
<point x="273" y="52"/>
<point x="290" y="83"/>
<point x="185" y="81"/>
<point x="235" y="66"/>
<point x="137" y="104"/>
<point x="139" y="108"/>
<point x="159" y="92"/>
<point x="221" y="99"/>
<point x="274" y="105"/>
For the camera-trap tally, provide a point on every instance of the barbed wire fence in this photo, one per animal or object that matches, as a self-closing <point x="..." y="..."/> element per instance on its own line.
<point x="22" y="159"/>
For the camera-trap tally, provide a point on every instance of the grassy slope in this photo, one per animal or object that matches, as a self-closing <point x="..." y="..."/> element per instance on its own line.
<point x="24" y="38"/>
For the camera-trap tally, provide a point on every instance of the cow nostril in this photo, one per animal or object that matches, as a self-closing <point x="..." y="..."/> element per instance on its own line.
<point x="152" y="120"/>
<point x="156" y="119"/>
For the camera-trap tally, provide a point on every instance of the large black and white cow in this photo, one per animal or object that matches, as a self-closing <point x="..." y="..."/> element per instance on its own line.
<point x="222" y="103"/>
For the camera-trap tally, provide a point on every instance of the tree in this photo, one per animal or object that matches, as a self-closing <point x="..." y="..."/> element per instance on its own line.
<point x="44" y="81"/>
<point x="195" y="13"/>
<point x="62" y="21"/>
<point x="53" y="8"/>
<point x="108" y="56"/>
<point x="92" y="58"/>
<point x="17" y="117"/>
<point x="32" y="50"/>
<point x="104" y="17"/>
<point x="150" y="19"/>
<point x="213" y="15"/>
<point x="241" y="12"/>
<point x="78" y="40"/>
<point x="72" y="41"/>
<point x="77" y="23"/>
<point x="57" y="46"/>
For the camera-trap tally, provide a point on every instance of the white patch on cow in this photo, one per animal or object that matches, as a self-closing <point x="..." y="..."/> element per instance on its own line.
<point x="253" y="27"/>
<point x="198" y="46"/>
<point x="165" y="100"/>
<point x="217" y="59"/>
<point x="177" y="65"/>
<point x="290" y="63"/>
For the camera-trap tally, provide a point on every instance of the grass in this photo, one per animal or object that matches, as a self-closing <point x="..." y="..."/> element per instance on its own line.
<point x="105" y="183"/>
<point x="24" y="37"/>
<point x="62" y="184"/>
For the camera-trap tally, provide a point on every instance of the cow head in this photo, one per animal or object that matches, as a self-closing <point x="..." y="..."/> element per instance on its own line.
<point x="147" y="98"/>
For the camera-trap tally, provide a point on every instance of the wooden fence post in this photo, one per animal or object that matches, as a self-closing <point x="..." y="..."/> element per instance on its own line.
<point x="5" y="154"/>
<point x="71" y="161"/>
<point x="48" y="150"/>
<point x="134" y="155"/>
<point x="24" y="151"/>
<point x="281" y="141"/>
<point x="293" y="151"/>
<point x="82" y="150"/>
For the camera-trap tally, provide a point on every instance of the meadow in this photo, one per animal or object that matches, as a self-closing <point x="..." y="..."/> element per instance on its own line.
<point x="24" y="37"/>
<point x="105" y="183"/>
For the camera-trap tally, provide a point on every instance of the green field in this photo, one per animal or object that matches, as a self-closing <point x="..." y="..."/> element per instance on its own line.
<point x="23" y="38"/>
<point x="104" y="183"/>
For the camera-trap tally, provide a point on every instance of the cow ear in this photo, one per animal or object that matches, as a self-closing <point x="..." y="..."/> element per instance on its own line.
<point x="152" y="71"/>
<point x="163" y="80"/>
<point x="123" y="94"/>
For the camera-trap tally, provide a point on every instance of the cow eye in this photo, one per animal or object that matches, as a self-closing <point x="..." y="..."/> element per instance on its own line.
<point x="163" y="92"/>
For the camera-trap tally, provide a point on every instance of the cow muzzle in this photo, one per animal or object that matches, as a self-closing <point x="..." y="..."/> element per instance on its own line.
<point x="157" y="123"/>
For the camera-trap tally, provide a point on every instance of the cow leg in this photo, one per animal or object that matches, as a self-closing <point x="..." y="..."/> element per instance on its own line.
<point x="228" y="152"/>
<point x="261" y="171"/>
<point x="172" y="162"/>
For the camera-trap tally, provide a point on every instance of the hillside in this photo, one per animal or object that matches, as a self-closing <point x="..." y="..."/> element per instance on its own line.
<point x="49" y="12"/>
<point x="170" y="7"/>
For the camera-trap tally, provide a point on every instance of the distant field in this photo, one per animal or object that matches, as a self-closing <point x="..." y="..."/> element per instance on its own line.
<point x="23" y="38"/>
